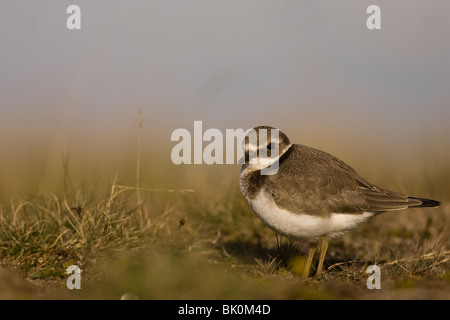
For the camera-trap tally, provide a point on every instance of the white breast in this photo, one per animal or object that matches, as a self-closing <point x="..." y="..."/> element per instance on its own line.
<point x="303" y="226"/>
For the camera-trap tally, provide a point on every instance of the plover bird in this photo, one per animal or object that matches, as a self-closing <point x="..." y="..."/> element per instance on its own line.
<point x="313" y="196"/>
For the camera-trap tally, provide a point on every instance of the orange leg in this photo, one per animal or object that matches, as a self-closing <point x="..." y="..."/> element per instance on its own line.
<point x="323" y="251"/>
<point x="311" y="252"/>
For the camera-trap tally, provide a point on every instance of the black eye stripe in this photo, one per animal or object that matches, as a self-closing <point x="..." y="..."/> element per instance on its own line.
<point x="269" y="146"/>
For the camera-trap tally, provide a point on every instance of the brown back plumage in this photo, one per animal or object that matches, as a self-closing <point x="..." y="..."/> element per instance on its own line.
<point x="315" y="182"/>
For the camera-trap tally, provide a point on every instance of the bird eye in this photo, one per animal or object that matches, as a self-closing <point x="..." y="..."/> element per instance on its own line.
<point x="269" y="146"/>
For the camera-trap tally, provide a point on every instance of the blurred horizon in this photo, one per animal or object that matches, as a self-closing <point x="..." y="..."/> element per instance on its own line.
<point x="313" y="70"/>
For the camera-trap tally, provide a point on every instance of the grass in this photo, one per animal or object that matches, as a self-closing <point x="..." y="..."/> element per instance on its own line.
<point x="202" y="241"/>
<point x="189" y="247"/>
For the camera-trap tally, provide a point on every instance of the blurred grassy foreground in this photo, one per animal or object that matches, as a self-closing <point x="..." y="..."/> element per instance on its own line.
<point x="193" y="235"/>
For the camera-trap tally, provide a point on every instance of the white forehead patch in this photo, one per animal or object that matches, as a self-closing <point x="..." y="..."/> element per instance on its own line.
<point x="252" y="137"/>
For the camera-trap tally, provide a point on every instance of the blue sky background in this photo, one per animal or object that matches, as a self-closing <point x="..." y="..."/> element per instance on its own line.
<point x="311" y="68"/>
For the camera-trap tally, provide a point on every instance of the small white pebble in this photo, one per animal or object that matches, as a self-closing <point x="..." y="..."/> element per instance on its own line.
<point x="129" y="296"/>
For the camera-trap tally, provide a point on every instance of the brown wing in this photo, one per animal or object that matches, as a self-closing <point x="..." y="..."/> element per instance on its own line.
<point x="314" y="181"/>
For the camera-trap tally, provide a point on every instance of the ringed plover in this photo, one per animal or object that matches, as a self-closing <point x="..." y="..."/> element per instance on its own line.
<point x="313" y="196"/>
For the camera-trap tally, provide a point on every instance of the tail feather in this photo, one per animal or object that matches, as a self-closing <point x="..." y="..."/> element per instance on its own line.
<point x="424" y="202"/>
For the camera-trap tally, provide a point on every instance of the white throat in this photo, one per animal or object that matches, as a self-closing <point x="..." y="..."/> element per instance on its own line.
<point x="259" y="163"/>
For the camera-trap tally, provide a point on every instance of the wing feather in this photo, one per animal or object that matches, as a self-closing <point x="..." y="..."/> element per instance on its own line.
<point x="316" y="182"/>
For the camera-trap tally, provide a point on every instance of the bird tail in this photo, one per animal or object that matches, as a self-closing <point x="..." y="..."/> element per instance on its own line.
<point x="424" y="202"/>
